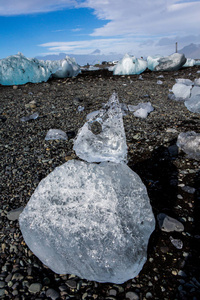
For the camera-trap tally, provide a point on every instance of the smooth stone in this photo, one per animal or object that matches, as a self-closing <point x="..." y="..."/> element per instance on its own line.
<point x="2" y="284"/>
<point x="2" y="292"/>
<point x="17" y="277"/>
<point x="51" y="293"/>
<point x="132" y="296"/>
<point x="35" y="288"/>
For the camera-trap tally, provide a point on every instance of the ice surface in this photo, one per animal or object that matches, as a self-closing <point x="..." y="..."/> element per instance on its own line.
<point x="181" y="91"/>
<point x="169" y="63"/>
<point x="197" y="81"/>
<point x="18" y="69"/>
<point x="189" y="142"/>
<point x="195" y="91"/>
<point x="185" y="81"/>
<point x="91" y="115"/>
<point x="190" y="62"/>
<point x="102" y="138"/>
<point x="141" y="110"/>
<point x="92" y="220"/>
<point x="130" y="65"/>
<point x="193" y="104"/>
<point x="56" y="134"/>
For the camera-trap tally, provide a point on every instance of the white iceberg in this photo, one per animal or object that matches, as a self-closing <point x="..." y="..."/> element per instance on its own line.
<point x="102" y="138"/>
<point x="90" y="220"/>
<point x="141" y="110"/>
<point x="18" y="69"/>
<point x="56" y="134"/>
<point x="169" y="63"/>
<point x="130" y="65"/>
<point x="189" y="142"/>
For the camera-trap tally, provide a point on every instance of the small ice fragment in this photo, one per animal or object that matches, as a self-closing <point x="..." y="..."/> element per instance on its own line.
<point x="81" y="108"/>
<point x="91" y="115"/>
<point x="159" y="82"/>
<point x="31" y="117"/>
<point x="56" y="134"/>
<point x="189" y="142"/>
<point x="176" y="242"/>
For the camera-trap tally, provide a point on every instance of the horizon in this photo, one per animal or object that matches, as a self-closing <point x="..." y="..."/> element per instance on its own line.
<point x="79" y="27"/>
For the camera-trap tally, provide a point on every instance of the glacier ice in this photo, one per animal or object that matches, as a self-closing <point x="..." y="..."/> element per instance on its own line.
<point x="56" y="134"/>
<point x="189" y="142"/>
<point x="185" y="81"/>
<point x="193" y="104"/>
<point x="92" y="220"/>
<point x="102" y="137"/>
<point x="190" y="62"/>
<point x="31" y="117"/>
<point x="153" y="61"/>
<point x="168" y="63"/>
<point x="18" y="69"/>
<point x="141" y="110"/>
<point x="130" y="65"/>
<point x="181" y="91"/>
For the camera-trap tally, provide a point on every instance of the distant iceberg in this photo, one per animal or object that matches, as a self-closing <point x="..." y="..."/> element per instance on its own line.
<point x="130" y="65"/>
<point x="18" y="69"/>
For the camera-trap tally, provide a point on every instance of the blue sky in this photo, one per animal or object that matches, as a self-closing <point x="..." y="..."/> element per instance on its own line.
<point x="40" y="27"/>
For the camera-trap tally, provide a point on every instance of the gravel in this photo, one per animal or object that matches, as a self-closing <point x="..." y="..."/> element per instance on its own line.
<point x="26" y="158"/>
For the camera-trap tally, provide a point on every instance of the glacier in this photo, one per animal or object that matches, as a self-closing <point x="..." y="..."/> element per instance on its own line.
<point x="130" y="65"/>
<point x="18" y="69"/>
<point x="91" y="220"/>
<point x="172" y="62"/>
<point x="102" y="137"/>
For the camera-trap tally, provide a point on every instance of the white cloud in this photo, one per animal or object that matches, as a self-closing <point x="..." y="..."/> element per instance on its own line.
<point x="13" y="7"/>
<point x="158" y="17"/>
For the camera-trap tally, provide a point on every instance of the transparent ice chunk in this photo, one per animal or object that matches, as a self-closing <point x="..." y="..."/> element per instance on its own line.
<point x="189" y="142"/>
<point x="102" y="138"/>
<point x="92" y="220"/>
<point x="56" y="134"/>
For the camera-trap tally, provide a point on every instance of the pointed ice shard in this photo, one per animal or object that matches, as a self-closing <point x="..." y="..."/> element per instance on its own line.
<point x="102" y="138"/>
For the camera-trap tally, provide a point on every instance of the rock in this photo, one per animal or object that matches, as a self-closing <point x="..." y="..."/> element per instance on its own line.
<point x="132" y="296"/>
<point x="35" y="288"/>
<point x="108" y="142"/>
<point x="90" y="220"/>
<point x="176" y="242"/>
<point x="169" y="224"/>
<point x="51" y="293"/>
<point x="13" y="215"/>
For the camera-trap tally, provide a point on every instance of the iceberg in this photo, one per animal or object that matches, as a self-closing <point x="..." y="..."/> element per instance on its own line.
<point x="102" y="137"/>
<point x="189" y="142"/>
<point x="92" y="220"/>
<point x="130" y="65"/>
<point x="169" y="63"/>
<point x="18" y="69"/>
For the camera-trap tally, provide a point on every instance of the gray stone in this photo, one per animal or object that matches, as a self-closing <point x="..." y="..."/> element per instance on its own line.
<point x="51" y="293"/>
<point x="2" y="284"/>
<point x="132" y="296"/>
<point x="35" y="288"/>
<point x="169" y="224"/>
<point x="13" y="215"/>
<point x="17" y="277"/>
<point x="2" y="292"/>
